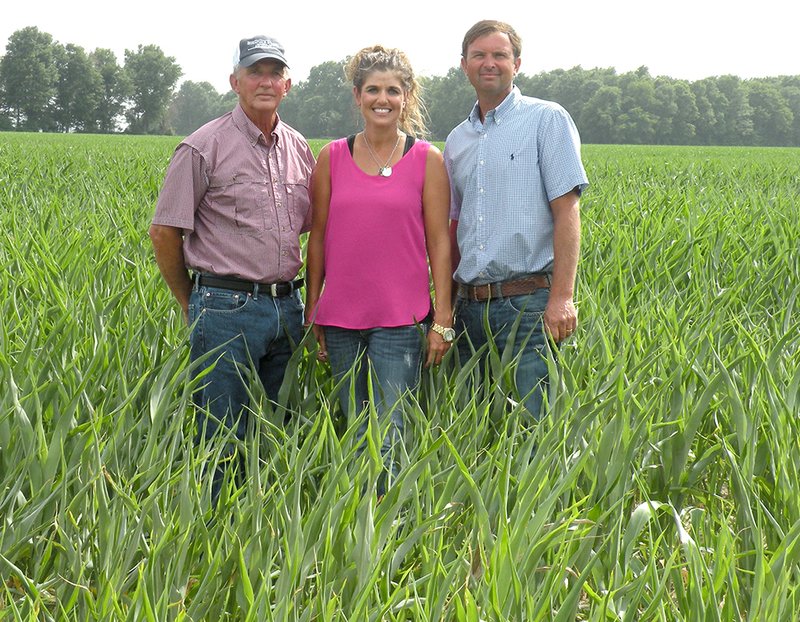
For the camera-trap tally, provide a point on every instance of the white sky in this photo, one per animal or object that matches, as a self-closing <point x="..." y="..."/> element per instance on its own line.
<point x="689" y="39"/>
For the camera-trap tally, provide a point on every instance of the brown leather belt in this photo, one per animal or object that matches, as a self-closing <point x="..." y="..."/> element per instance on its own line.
<point x="503" y="289"/>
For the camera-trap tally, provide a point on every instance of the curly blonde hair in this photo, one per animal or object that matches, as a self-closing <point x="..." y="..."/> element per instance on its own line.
<point x="378" y="58"/>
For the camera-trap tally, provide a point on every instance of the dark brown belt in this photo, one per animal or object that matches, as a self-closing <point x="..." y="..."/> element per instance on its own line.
<point x="503" y="289"/>
<point x="276" y="290"/>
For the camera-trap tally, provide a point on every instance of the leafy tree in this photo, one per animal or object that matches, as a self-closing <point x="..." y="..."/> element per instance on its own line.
<point x="153" y="77"/>
<point x="572" y="88"/>
<point x="79" y="90"/>
<point x="324" y="103"/>
<point x="772" y="118"/>
<point x="665" y="109"/>
<point x="676" y="110"/>
<point x="637" y="126"/>
<point x="708" y="100"/>
<point x="289" y="110"/>
<point x="684" y="128"/>
<point x="598" y="120"/>
<point x="791" y="94"/>
<point x="194" y="104"/>
<point x="318" y="120"/>
<point x="339" y="116"/>
<point x="566" y="87"/>
<point x="449" y="100"/>
<point x="116" y="87"/>
<point x="638" y="122"/>
<point x="5" y="119"/>
<point x="29" y="76"/>
<point x="228" y="101"/>
<point x="538" y="85"/>
<point x="737" y="113"/>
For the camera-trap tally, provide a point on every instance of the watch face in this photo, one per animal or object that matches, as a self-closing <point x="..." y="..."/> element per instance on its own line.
<point x="448" y="334"/>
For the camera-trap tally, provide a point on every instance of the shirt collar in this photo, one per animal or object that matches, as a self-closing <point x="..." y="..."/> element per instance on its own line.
<point x="505" y="106"/>
<point x="249" y="129"/>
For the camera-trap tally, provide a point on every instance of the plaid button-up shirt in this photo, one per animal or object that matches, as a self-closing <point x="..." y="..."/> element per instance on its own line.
<point x="241" y="203"/>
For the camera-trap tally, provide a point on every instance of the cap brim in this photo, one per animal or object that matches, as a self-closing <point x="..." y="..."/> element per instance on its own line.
<point x="254" y="58"/>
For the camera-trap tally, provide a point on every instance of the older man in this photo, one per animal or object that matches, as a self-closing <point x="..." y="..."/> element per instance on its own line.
<point x="226" y="238"/>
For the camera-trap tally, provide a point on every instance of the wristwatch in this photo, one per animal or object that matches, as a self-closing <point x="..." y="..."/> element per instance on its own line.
<point x="447" y="333"/>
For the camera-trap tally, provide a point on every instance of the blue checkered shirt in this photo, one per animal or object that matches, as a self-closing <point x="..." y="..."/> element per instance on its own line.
<point x="503" y="174"/>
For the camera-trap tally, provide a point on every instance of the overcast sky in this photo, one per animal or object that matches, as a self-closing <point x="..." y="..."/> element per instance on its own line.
<point x="689" y="39"/>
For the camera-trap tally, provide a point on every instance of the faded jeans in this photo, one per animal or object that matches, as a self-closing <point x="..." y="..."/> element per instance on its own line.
<point x="251" y="331"/>
<point x="530" y="346"/>
<point x="394" y="356"/>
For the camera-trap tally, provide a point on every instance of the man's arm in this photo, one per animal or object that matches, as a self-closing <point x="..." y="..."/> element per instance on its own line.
<point x="560" y="315"/>
<point x="455" y="256"/>
<point x="168" y="248"/>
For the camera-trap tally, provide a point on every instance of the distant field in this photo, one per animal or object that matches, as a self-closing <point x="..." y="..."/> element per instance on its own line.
<point x="664" y="486"/>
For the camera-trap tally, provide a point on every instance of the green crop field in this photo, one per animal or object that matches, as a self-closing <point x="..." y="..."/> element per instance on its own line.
<point x="664" y="485"/>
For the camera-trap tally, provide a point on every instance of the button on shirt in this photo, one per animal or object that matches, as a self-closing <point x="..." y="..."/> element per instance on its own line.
<point x="241" y="201"/>
<point x="503" y="174"/>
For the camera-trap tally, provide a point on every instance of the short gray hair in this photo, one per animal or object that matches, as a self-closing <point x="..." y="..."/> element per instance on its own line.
<point x="237" y="67"/>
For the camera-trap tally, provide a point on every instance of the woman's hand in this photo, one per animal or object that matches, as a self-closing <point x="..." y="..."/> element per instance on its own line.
<point x="437" y="348"/>
<point x="322" y="350"/>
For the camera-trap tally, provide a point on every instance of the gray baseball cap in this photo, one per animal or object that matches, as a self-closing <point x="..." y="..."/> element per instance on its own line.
<point x="254" y="49"/>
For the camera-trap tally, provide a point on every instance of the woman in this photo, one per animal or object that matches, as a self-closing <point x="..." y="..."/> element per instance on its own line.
<point x="380" y="203"/>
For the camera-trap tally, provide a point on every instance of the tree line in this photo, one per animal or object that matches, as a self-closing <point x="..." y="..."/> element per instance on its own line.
<point x="53" y="87"/>
<point x="627" y="108"/>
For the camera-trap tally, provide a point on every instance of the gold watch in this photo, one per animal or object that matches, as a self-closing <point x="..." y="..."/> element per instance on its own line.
<point x="447" y="333"/>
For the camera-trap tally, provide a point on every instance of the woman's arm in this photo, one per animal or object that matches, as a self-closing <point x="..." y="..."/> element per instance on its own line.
<point x="315" y="248"/>
<point x="436" y="210"/>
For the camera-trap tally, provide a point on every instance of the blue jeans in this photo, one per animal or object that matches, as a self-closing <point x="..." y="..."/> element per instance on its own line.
<point x="394" y="357"/>
<point x="527" y="339"/>
<point x="251" y="331"/>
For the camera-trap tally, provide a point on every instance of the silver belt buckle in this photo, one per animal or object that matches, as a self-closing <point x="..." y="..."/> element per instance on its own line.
<point x="273" y="290"/>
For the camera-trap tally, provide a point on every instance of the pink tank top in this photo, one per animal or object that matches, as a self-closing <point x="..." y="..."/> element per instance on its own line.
<point x="376" y="266"/>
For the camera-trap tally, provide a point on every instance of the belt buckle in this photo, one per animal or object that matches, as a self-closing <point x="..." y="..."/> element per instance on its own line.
<point x="273" y="290"/>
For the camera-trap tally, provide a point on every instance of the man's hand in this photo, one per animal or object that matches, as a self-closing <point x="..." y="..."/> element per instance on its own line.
<point x="168" y="248"/>
<point x="560" y="318"/>
<point x="560" y="315"/>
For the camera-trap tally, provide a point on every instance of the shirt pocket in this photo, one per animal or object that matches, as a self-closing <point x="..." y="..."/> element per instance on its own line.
<point x="517" y="157"/>
<point x="240" y="204"/>
<point x="299" y="204"/>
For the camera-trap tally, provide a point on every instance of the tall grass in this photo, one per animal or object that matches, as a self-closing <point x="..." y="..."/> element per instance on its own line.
<point x="663" y="486"/>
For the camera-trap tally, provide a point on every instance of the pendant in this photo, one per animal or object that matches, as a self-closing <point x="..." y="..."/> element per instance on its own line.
<point x="385" y="171"/>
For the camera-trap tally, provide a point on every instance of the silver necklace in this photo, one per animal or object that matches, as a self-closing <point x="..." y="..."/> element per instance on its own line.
<point x="385" y="170"/>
